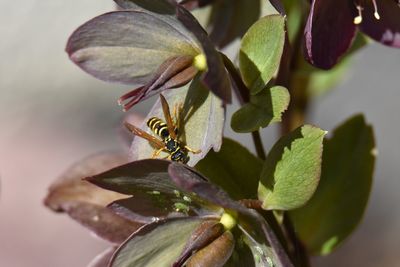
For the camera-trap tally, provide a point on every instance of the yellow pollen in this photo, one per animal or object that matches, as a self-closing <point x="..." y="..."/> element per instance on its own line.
<point x="376" y="14"/>
<point x="358" y="19"/>
<point x="228" y="220"/>
<point x="200" y="62"/>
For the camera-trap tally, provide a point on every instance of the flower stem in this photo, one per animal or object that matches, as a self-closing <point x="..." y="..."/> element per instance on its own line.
<point x="243" y="95"/>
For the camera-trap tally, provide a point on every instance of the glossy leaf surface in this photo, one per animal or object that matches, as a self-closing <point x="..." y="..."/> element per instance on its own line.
<point x="341" y="197"/>
<point x="292" y="169"/>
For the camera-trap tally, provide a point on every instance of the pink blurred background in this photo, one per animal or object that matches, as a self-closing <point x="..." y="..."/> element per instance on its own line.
<point x="53" y="114"/>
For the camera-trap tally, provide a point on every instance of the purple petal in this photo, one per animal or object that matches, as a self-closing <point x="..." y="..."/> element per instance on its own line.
<point x="103" y="222"/>
<point x="103" y="258"/>
<point x="128" y="46"/>
<point x="172" y="73"/>
<point x="386" y="30"/>
<point x="216" y="77"/>
<point x="190" y="180"/>
<point x="329" y="32"/>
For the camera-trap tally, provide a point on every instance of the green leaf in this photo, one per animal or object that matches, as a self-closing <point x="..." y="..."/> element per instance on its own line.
<point x="233" y="168"/>
<point x="341" y="197"/>
<point x="264" y="108"/>
<point x="128" y="46"/>
<point x="261" y="51"/>
<point x="292" y="169"/>
<point x="201" y="125"/>
<point x="294" y="12"/>
<point x="157" y="244"/>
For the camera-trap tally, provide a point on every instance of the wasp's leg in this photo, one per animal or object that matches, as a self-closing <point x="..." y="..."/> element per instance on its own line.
<point x="192" y="150"/>
<point x="157" y="152"/>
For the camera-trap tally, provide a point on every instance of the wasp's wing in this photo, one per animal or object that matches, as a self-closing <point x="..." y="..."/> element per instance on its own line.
<point x="167" y="115"/>
<point x="139" y="132"/>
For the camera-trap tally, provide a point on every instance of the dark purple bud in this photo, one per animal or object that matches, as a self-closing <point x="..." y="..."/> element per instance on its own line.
<point x="206" y="233"/>
<point x="215" y="254"/>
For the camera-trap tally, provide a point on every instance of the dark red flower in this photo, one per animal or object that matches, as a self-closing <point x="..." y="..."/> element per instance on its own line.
<point x="332" y="25"/>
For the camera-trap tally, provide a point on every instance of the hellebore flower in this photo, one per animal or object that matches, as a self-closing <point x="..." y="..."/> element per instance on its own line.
<point x="187" y="220"/>
<point x="157" y="44"/>
<point x="332" y="25"/>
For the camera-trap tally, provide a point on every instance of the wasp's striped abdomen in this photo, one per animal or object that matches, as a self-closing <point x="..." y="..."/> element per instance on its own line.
<point x="158" y="127"/>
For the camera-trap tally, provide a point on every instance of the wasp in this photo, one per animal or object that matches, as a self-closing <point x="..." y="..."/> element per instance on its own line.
<point x="168" y="131"/>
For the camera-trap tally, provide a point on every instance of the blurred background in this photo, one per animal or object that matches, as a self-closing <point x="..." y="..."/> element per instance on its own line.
<point x="52" y="114"/>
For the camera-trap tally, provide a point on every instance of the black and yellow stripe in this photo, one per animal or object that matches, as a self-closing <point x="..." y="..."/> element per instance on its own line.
<point x="158" y="127"/>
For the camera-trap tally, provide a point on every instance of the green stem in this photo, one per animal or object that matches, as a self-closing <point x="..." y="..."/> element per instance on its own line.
<point x="299" y="255"/>
<point x="243" y="95"/>
<point x="258" y="145"/>
<point x="293" y="117"/>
